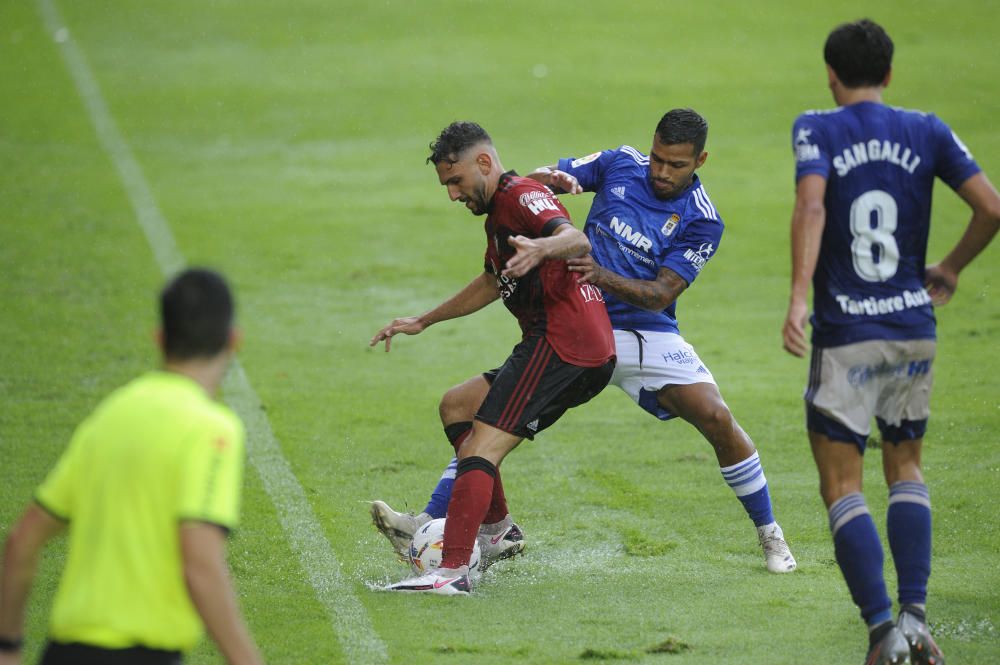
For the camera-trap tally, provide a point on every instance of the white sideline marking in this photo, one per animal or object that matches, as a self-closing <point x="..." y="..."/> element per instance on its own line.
<point x="350" y="620"/>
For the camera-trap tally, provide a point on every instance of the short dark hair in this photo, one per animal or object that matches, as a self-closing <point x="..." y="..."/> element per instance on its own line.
<point x="455" y="139"/>
<point x="860" y="53"/>
<point x="196" y="312"/>
<point x="683" y="126"/>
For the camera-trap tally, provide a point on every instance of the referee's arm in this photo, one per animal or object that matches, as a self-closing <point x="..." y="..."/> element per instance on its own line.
<point x="20" y="561"/>
<point x="203" y="550"/>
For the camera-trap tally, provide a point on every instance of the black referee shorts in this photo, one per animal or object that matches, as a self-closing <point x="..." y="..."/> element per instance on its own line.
<point x="84" y="654"/>
<point x="534" y="387"/>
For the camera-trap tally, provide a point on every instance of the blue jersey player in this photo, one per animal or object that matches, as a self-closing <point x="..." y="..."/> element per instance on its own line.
<point x="653" y="229"/>
<point x="865" y="173"/>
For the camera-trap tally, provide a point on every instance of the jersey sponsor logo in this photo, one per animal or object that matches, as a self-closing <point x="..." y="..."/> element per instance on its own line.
<point x="671" y="225"/>
<point x="805" y="151"/>
<point x="537" y="201"/>
<point x="505" y="285"/>
<point x="636" y="238"/>
<point x="619" y="191"/>
<point x="681" y="357"/>
<point x="591" y="293"/>
<point x="873" y="306"/>
<point x="875" y="150"/>
<point x="699" y="257"/>
<point x="584" y="160"/>
<point x="859" y="375"/>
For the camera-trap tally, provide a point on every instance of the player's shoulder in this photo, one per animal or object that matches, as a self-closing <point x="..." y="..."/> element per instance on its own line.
<point x="698" y="204"/>
<point x="626" y="154"/>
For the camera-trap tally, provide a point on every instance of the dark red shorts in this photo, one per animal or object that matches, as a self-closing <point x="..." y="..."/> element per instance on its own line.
<point x="534" y="387"/>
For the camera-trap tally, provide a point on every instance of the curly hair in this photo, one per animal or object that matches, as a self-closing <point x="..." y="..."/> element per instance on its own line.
<point x="455" y="139"/>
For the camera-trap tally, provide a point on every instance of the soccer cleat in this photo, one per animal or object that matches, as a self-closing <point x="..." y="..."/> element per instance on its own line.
<point x="892" y="649"/>
<point x="776" y="552"/>
<point x="440" y="581"/>
<point x="397" y="527"/>
<point x="506" y="541"/>
<point x="923" y="649"/>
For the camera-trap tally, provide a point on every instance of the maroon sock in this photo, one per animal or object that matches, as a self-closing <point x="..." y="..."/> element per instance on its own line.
<point x="498" y="503"/>
<point x="470" y="500"/>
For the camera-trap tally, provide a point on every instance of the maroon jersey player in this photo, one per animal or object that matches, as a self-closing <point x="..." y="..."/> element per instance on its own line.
<point x="565" y="356"/>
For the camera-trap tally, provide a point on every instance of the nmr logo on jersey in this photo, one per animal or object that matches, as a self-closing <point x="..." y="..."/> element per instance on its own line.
<point x="537" y="201"/>
<point x="636" y="238"/>
<point x="700" y="256"/>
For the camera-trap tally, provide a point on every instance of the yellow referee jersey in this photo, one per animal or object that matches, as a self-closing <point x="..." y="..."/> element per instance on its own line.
<point x="156" y="452"/>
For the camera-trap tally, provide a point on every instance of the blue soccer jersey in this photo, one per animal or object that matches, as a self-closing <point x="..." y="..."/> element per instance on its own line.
<point x="879" y="163"/>
<point x="635" y="234"/>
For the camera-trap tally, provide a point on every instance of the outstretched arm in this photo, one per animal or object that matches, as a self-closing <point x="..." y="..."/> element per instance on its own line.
<point x="20" y="561"/>
<point x="565" y="242"/>
<point x="653" y="295"/>
<point x="558" y="181"/>
<point x="941" y="279"/>
<point x="808" y="220"/>
<point x="203" y="550"/>
<point x="479" y="293"/>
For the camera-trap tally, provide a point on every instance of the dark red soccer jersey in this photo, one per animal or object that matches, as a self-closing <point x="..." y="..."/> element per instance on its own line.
<point x="548" y="300"/>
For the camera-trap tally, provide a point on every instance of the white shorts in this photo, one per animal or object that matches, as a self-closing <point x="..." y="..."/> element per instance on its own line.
<point x="889" y="380"/>
<point x="649" y="360"/>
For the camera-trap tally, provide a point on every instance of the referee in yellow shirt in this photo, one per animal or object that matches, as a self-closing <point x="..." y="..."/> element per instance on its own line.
<point x="147" y="490"/>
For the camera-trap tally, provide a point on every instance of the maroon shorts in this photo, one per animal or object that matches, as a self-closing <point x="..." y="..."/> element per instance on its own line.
<point x="534" y="387"/>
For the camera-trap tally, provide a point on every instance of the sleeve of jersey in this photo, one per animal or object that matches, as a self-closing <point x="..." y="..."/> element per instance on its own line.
<point x="955" y="163"/>
<point x="811" y="154"/>
<point x="589" y="170"/>
<point x="535" y="211"/>
<point x="212" y="475"/>
<point x="691" y="252"/>
<point x="56" y="493"/>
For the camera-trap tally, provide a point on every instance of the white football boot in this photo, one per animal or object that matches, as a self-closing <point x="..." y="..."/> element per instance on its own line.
<point x="440" y="581"/>
<point x="397" y="527"/>
<point x="772" y="541"/>
<point x="498" y="541"/>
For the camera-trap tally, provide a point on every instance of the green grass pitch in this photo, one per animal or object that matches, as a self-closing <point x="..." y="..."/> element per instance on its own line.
<point x="284" y="143"/>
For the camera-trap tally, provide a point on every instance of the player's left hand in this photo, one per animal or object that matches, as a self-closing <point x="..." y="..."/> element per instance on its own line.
<point x="793" y="332"/>
<point x="529" y="254"/>
<point x="940" y="283"/>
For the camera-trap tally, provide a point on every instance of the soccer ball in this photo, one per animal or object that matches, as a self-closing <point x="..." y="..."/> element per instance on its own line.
<point x="427" y="545"/>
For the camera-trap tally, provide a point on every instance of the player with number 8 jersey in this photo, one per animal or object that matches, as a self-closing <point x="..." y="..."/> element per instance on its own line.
<point x="864" y="178"/>
<point x="879" y="163"/>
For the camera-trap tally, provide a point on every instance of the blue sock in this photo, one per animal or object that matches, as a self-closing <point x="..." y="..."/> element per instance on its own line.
<point x="438" y="505"/>
<point x="859" y="554"/>
<point x="909" y="525"/>
<point x="747" y="479"/>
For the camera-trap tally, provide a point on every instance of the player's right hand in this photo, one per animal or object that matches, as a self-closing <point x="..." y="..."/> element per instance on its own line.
<point x="793" y="332"/>
<point x="409" y="325"/>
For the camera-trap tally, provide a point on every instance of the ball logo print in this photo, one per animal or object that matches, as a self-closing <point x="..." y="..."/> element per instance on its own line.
<point x="427" y="547"/>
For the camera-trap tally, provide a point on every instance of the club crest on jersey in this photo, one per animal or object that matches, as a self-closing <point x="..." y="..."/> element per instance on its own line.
<point x="670" y="225"/>
<point x="584" y="160"/>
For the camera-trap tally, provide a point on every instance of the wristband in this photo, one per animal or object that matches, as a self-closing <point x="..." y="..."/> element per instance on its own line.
<point x="10" y="646"/>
